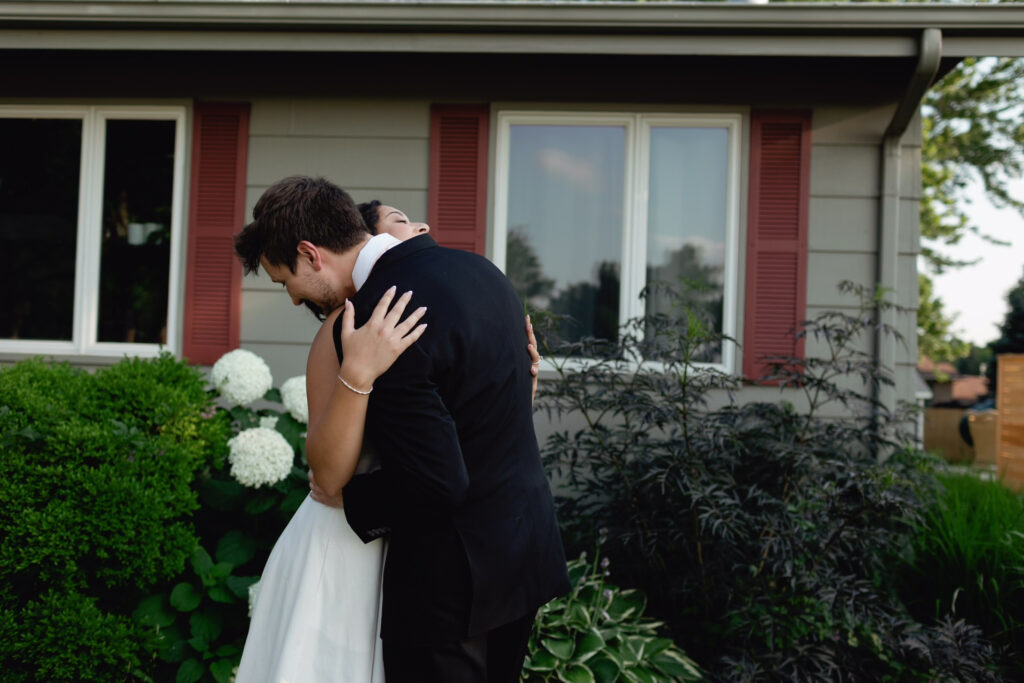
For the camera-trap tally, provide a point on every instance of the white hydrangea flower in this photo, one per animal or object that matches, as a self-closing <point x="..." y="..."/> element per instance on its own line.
<point x="268" y="421"/>
<point x="241" y="377"/>
<point x="259" y="456"/>
<point x="254" y="592"/>
<point x="293" y="395"/>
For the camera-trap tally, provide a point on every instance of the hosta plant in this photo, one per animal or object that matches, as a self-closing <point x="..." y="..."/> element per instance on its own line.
<point x="598" y="634"/>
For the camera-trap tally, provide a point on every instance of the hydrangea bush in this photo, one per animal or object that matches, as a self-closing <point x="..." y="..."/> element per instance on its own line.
<point x="198" y="623"/>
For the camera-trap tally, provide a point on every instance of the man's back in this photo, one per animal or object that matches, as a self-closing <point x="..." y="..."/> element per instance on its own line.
<point x="474" y="541"/>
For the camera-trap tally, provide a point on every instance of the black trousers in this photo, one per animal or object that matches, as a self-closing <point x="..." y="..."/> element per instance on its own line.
<point x="494" y="657"/>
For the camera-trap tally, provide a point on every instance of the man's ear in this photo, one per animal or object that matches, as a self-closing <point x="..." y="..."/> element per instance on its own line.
<point x="311" y="253"/>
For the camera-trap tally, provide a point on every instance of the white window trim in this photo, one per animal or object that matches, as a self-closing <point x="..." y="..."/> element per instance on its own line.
<point x="90" y="221"/>
<point x="633" y="275"/>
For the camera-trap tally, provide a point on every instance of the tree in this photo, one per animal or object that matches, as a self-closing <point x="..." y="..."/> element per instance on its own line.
<point x="972" y="133"/>
<point x="1011" y="338"/>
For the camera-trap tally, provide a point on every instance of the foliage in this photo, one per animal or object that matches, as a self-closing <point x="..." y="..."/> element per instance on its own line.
<point x="599" y="633"/>
<point x="968" y="560"/>
<point x="1011" y="332"/>
<point x="196" y="624"/>
<point x="95" y="507"/>
<point x="761" y="531"/>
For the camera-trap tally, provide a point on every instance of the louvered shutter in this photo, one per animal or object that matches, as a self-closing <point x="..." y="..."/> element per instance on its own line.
<point x="776" y="282"/>
<point x="213" y="280"/>
<point x="457" y="201"/>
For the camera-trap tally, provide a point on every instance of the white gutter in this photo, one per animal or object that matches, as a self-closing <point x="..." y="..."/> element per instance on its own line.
<point x="887" y="265"/>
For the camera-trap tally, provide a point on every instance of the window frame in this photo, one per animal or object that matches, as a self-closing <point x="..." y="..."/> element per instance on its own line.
<point x="633" y="276"/>
<point x="85" y="317"/>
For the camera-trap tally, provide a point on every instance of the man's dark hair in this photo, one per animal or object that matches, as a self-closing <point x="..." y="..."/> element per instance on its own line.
<point x="370" y="215"/>
<point x="295" y="209"/>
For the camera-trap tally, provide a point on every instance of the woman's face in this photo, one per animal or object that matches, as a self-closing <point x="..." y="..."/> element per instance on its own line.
<point x="397" y="224"/>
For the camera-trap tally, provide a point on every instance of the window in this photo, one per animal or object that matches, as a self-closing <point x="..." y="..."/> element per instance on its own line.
<point x="591" y="208"/>
<point x="90" y="224"/>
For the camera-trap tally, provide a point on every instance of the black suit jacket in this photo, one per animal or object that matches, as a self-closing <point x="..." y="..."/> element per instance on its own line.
<point x="474" y="542"/>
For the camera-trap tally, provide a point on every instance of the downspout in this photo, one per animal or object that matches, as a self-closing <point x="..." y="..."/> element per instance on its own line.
<point x="887" y="264"/>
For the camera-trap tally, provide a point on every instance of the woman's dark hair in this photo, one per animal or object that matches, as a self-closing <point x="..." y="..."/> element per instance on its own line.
<point x="295" y="209"/>
<point x="370" y="214"/>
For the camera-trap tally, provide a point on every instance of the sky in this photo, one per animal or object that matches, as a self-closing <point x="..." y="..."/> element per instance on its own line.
<point x="977" y="293"/>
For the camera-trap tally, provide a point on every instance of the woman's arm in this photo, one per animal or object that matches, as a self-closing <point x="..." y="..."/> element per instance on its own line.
<point x="337" y="412"/>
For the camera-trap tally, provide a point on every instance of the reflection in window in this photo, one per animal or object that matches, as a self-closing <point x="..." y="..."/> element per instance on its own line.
<point x="39" y="178"/>
<point x="135" y="255"/>
<point x="686" y="216"/>
<point x="566" y="187"/>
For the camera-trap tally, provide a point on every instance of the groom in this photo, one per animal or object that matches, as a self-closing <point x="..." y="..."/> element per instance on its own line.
<point x="474" y="547"/>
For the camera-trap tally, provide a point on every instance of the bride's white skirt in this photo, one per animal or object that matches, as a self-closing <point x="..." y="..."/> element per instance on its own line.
<point x="317" y="610"/>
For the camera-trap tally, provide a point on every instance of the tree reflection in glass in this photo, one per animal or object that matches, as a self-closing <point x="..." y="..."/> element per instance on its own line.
<point x="566" y="192"/>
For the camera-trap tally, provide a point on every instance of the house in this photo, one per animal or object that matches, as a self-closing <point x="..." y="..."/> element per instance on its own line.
<point x="770" y="150"/>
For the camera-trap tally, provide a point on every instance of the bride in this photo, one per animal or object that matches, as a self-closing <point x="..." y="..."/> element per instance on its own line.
<point x="316" y="610"/>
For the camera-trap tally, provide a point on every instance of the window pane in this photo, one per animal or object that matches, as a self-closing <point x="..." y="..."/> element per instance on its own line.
<point x="565" y="207"/>
<point x="135" y="256"/>
<point x="39" y="174"/>
<point x="686" y="223"/>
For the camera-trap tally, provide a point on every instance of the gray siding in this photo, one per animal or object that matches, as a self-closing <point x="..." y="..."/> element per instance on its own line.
<point x="378" y="149"/>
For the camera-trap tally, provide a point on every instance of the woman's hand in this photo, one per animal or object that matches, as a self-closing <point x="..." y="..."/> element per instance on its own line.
<point x="534" y="356"/>
<point x="370" y="350"/>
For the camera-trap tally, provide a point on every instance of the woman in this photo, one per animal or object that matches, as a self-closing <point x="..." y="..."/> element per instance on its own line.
<point x="317" y="607"/>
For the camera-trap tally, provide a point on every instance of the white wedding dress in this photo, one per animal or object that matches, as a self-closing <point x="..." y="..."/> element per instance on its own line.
<point x="316" y="617"/>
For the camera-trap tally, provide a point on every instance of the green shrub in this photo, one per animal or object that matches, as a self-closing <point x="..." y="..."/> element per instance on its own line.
<point x="762" y="533"/>
<point x="968" y="560"/>
<point x="96" y="499"/>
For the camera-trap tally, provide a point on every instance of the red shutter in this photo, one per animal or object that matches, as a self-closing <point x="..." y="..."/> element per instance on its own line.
<point x="776" y="291"/>
<point x="213" y="274"/>
<point x="457" y="202"/>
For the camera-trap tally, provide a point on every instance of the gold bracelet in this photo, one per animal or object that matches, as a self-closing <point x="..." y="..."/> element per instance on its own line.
<point x="352" y="388"/>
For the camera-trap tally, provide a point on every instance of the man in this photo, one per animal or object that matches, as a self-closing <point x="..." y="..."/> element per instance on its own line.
<point x="474" y="545"/>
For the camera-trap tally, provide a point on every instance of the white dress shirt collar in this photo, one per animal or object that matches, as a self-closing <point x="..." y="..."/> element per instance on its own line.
<point x="368" y="256"/>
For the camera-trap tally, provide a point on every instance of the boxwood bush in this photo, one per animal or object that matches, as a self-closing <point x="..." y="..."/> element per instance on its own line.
<point x="96" y="499"/>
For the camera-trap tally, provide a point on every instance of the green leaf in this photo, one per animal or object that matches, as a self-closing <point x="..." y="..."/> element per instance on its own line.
<point x="221" y="495"/>
<point x="291" y="429"/>
<point x="626" y="604"/>
<point x="202" y="563"/>
<point x="222" y="594"/>
<point x="261" y="502"/>
<point x="674" y="663"/>
<point x="153" y="611"/>
<point x="205" y="624"/>
<point x="190" y="671"/>
<point x="656" y="645"/>
<point x="222" y="670"/>
<point x="605" y="669"/>
<point x="221" y="570"/>
<point x="239" y="585"/>
<point x="541" y="661"/>
<point x="228" y="650"/>
<point x="293" y="499"/>
<point x="185" y="597"/>
<point x="579" y="616"/>
<point x="175" y="652"/>
<point x="576" y="673"/>
<point x="639" y="674"/>
<point x="561" y="648"/>
<point x="590" y="644"/>
<point x="272" y="395"/>
<point x="199" y="644"/>
<point x="235" y="548"/>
